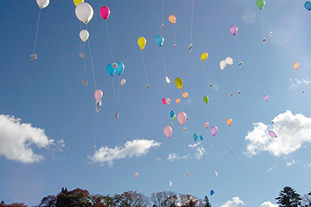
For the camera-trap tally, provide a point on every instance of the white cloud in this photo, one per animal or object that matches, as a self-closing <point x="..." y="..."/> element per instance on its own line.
<point x="173" y="156"/>
<point x="296" y="83"/>
<point x="194" y="145"/>
<point x="268" y="204"/>
<point x="288" y="164"/>
<point x="200" y="152"/>
<point x="16" y="140"/>
<point x="234" y="202"/>
<point x="131" y="148"/>
<point x="292" y="131"/>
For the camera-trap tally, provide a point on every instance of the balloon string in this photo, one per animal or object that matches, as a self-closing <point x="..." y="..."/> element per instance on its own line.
<point x="174" y="34"/>
<point x="237" y="85"/>
<point x="191" y="26"/>
<point x="142" y="52"/>
<point x="80" y="41"/>
<point x="95" y="135"/>
<point x="92" y="65"/>
<point x="262" y="26"/>
<point x="223" y="75"/>
<point x="238" y="49"/>
<point x="114" y="93"/>
<point x="162" y="12"/>
<point x="164" y="64"/>
<point x="267" y="22"/>
<point x="118" y="97"/>
<point x="205" y="72"/>
<point x="84" y="62"/>
<point x="109" y="41"/>
<point x="37" y="30"/>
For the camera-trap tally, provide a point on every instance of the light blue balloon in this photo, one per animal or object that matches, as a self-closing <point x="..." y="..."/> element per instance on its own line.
<point x="120" y="68"/>
<point x="159" y="40"/>
<point x="111" y="70"/>
<point x="308" y="5"/>
<point x="201" y="137"/>
<point x="195" y="136"/>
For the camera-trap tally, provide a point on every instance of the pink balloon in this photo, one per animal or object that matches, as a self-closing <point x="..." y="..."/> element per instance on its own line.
<point x="214" y="130"/>
<point x="233" y="29"/>
<point x="168" y="101"/>
<point x="206" y="124"/>
<point x="98" y="95"/>
<point x="163" y="101"/>
<point x="136" y="174"/>
<point x="104" y="12"/>
<point x="266" y="98"/>
<point x="272" y="134"/>
<point x="168" y="131"/>
<point x="181" y="117"/>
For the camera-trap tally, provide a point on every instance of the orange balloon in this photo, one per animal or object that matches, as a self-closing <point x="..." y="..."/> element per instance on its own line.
<point x="177" y="100"/>
<point x="296" y="65"/>
<point x="185" y="94"/>
<point x="172" y="19"/>
<point x="229" y="122"/>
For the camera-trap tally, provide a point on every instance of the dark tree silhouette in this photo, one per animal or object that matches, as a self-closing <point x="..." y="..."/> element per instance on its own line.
<point x="289" y="198"/>
<point x="207" y="203"/>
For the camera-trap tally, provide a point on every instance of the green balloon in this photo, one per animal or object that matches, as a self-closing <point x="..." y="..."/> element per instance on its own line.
<point x="174" y="117"/>
<point x="260" y="4"/>
<point x="205" y="99"/>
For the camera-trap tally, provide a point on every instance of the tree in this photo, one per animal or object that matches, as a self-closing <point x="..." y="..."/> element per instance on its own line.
<point x="288" y="198"/>
<point x="77" y="198"/>
<point x="163" y="199"/>
<point x="207" y="203"/>
<point x="131" y="199"/>
<point x="306" y="200"/>
<point x="48" y="201"/>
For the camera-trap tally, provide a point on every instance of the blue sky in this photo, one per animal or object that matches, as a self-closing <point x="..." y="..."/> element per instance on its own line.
<point x="49" y="126"/>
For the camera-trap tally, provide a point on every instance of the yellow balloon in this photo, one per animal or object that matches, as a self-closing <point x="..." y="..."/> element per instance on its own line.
<point x="204" y="56"/>
<point x="76" y="2"/>
<point x="178" y="83"/>
<point x="142" y="42"/>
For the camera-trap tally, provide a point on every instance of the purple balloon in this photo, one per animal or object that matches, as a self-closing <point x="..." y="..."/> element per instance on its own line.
<point x="214" y="130"/>
<point x="233" y="29"/>
<point x="266" y="98"/>
<point x="272" y="134"/>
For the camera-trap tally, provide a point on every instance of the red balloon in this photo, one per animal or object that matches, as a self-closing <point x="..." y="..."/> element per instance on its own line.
<point x="104" y="12"/>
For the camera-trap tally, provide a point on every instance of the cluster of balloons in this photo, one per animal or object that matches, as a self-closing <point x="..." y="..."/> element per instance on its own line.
<point x="223" y="63"/>
<point x="196" y="136"/>
<point x="115" y="67"/>
<point x="166" y="101"/>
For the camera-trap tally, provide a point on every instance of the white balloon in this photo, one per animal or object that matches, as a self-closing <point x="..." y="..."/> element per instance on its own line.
<point x="229" y="60"/>
<point x="123" y="81"/>
<point x="222" y="64"/>
<point x="84" y="12"/>
<point x="84" y="35"/>
<point x="43" y="3"/>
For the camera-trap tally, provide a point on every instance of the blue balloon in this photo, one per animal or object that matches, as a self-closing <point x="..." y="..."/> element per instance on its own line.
<point x="212" y="192"/>
<point x="159" y="40"/>
<point x="111" y="70"/>
<point x="172" y="113"/>
<point x="120" y="68"/>
<point x="201" y="137"/>
<point x="195" y="136"/>
<point x="308" y="5"/>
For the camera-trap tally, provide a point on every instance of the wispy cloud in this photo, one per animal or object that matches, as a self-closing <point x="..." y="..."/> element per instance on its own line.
<point x="233" y="203"/>
<point x="288" y="164"/>
<point x="268" y="204"/>
<point x="194" y="145"/>
<point x="296" y="83"/>
<point x="200" y="153"/>
<point x="131" y="148"/>
<point x="174" y="156"/>
<point x="292" y="131"/>
<point x="17" y="140"/>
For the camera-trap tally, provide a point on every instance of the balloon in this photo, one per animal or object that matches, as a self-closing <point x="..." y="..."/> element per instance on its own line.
<point x="187" y="173"/>
<point x="204" y="56"/>
<point x="212" y="192"/>
<point x="123" y="81"/>
<point x="201" y="137"/>
<point x="308" y="5"/>
<point x="260" y="4"/>
<point x="182" y="117"/>
<point x="171" y="183"/>
<point x="272" y="134"/>
<point x="136" y="174"/>
<point x="214" y="130"/>
<point x="185" y="94"/>
<point x="76" y="2"/>
<point x="206" y="124"/>
<point x="120" y="68"/>
<point x="43" y="3"/>
<point x="168" y="101"/>
<point x="229" y="60"/>
<point x="111" y="69"/>
<point x="172" y="19"/>
<point x="84" y="12"/>
<point x="296" y="65"/>
<point x="222" y="64"/>
<point x="233" y="29"/>
<point x="229" y="122"/>
<point x="168" y="131"/>
<point x="159" y="40"/>
<point x="195" y="136"/>
<point x="98" y="105"/>
<point x="172" y="113"/>
<point x="98" y="95"/>
<point x="205" y="99"/>
<point x="141" y="42"/>
<point x="104" y="12"/>
<point x="163" y="101"/>
<point x="174" y="117"/>
<point x="84" y="35"/>
<point x="178" y="83"/>
<point x="177" y="100"/>
<point x="266" y="98"/>
<point x="167" y="79"/>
